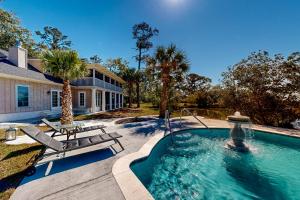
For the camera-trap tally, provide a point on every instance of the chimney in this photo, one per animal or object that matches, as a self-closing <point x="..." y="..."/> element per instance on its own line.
<point x="18" y="56"/>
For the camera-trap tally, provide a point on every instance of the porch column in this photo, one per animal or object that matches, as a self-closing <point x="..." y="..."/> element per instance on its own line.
<point x="93" y="100"/>
<point x="120" y="106"/>
<point x="94" y="77"/>
<point x="115" y="100"/>
<point x="110" y="101"/>
<point x="103" y="100"/>
<point x="122" y="100"/>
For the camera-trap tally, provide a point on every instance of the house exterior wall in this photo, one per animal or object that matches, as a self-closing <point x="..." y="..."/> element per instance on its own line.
<point x="39" y="98"/>
<point x="88" y="100"/>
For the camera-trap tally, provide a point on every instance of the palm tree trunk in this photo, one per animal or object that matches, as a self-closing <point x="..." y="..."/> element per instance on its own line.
<point x="67" y="114"/>
<point x="164" y="96"/>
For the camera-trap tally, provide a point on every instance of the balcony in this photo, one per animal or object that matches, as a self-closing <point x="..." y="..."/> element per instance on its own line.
<point x="88" y="81"/>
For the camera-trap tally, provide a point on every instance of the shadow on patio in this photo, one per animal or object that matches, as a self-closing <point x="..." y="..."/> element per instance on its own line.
<point x="69" y="163"/>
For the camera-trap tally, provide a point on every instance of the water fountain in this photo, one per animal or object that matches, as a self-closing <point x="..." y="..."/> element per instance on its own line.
<point x="238" y="133"/>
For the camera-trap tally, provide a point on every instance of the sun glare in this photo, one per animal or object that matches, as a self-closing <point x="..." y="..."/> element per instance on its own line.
<point x="174" y="2"/>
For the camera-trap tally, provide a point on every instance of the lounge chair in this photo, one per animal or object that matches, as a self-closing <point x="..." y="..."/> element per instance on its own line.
<point x="71" y="129"/>
<point x="61" y="147"/>
<point x="69" y="145"/>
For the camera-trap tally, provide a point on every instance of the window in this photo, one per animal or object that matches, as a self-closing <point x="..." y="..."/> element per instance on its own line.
<point x="112" y="81"/>
<point x="22" y="96"/>
<point x="107" y="79"/>
<point x="107" y="100"/>
<point x="82" y="99"/>
<point x="118" y="102"/>
<point x="60" y="98"/>
<point x="98" y="99"/>
<point x="56" y="99"/>
<point x="117" y="83"/>
<point x="98" y="75"/>
<point x="90" y="73"/>
<point x="121" y="100"/>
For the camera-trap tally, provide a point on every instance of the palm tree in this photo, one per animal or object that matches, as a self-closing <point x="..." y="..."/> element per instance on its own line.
<point x="169" y="64"/>
<point x="66" y="65"/>
<point x="130" y="76"/>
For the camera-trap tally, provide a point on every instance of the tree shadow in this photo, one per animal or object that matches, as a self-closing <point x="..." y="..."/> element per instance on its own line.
<point x="151" y="127"/>
<point x="12" y="181"/>
<point x="22" y="151"/>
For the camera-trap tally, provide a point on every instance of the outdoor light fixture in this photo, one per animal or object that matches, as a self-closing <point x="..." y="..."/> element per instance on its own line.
<point x="10" y="134"/>
<point x="48" y="92"/>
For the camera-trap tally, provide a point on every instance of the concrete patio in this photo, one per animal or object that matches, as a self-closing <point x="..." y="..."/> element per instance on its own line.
<point x="87" y="173"/>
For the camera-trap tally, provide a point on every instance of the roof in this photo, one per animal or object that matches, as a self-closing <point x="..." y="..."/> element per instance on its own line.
<point x="106" y="72"/>
<point x="3" y="54"/>
<point x="8" y="68"/>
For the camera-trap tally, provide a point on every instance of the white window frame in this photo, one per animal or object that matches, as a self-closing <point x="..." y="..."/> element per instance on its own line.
<point x="58" y="99"/>
<point x="84" y="93"/>
<point x="17" y="96"/>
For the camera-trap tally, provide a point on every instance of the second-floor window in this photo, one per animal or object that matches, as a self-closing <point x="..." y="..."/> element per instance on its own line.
<point x="107" y="79"/>
<point x="90" y="73"/>
<point x="112" y="81"/>
<point x="98" y="75"/>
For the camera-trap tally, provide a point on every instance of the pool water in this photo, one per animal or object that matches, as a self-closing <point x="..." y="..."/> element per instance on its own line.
<point x="197" y="166"/>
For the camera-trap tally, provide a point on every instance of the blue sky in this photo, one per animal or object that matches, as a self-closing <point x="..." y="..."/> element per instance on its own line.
<point x="214" y="33"/>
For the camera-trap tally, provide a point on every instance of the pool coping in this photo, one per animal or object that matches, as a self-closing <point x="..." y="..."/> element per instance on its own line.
<point x="133" y="189"/>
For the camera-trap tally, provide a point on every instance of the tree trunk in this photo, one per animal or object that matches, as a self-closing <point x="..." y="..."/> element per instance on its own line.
<point x="164" y="95"/>
<point x="138" y="81"/>
<point x="138" y="93"/>
<point x="67" y="114"/>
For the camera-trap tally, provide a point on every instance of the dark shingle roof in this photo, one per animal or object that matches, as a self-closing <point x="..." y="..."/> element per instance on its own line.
<point x="6" y="67"/>
<point x="3" y="54"/>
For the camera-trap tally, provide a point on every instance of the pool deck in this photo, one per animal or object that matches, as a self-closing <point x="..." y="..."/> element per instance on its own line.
<point x="95" y="179"/>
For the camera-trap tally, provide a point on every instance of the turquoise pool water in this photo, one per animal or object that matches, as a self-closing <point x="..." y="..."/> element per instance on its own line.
<point x="197" y="166"/>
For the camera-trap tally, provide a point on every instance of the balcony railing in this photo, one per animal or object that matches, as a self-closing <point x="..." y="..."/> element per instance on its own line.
<point x="88" y="81"/>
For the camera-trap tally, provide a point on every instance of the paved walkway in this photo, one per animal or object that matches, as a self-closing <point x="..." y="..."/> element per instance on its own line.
<point x="82" y="178"/>
<point x="86" y="173"/>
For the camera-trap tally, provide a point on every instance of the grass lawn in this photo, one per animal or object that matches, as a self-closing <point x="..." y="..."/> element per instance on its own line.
<point x="145" y="109"/>
<point x="148" y="109"/>
<point x="14" y="160"/>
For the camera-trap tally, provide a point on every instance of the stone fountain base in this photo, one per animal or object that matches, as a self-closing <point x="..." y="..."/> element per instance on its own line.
<point x="237" y="134"/>
<point x="240" y="147"/>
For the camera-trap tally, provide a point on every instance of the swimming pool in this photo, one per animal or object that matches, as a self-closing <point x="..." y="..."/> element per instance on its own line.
<point x="197" y="166"/>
